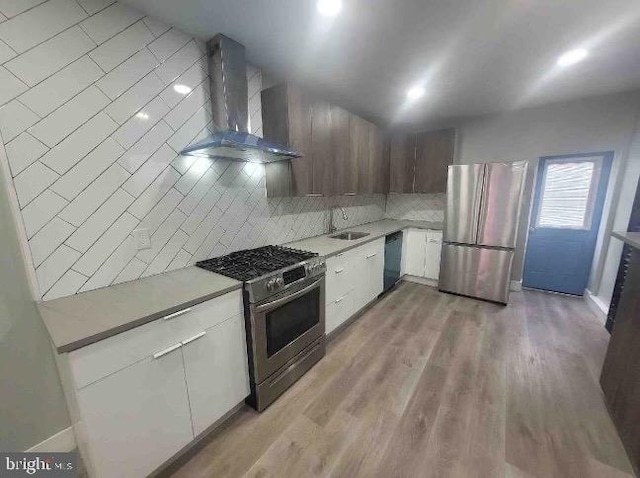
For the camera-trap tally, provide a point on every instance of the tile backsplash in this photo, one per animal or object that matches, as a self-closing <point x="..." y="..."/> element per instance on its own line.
<point x="92" y="124"/>
<point x="417" y="207"/>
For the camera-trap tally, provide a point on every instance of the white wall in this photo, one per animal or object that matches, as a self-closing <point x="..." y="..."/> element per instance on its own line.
<point x="93" y="128"/>
<point x="603" y="123"/>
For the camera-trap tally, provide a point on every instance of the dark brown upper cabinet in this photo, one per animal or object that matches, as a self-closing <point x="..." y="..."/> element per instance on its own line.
<point x="321" y="149"/>
<point x="378" y="160"/>
<point x="434" y="153"/>
<point x="359" y="147"/>
<point x="402" y="157"/>
<point x="345" y="165"/>
<point x="418" y="162"/>
<point x="287" y="119"/>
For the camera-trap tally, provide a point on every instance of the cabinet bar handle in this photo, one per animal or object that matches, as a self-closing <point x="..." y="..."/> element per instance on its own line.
<point x="195" y="337"/>
<point x="372" y="255"/>
<point x="341" y="269"/>
<point x="314" y="195"/>
<point x="177" y="314"/>
<point x="349" y="194"/>
<point x="166" y="351"/>
<point x="339" y="300"/>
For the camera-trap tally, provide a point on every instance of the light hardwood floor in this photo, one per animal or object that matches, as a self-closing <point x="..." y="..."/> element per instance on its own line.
<point x="427" y="384"/>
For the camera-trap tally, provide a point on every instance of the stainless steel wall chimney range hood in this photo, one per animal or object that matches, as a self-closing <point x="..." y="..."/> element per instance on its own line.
<point x="230" y="106"/>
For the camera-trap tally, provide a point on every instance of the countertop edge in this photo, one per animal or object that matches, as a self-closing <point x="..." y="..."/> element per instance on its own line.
<point x="71" y="346"/>
<point x="403" y="224"/>
<point x="630" y="238"/>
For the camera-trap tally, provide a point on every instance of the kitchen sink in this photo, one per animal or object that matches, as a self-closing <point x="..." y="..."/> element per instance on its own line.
<point x="349" y="236"/>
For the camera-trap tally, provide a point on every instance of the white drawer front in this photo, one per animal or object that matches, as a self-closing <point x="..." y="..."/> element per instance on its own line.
<point x="339" y="310"/>
<point x="95" y="361"/>
<point x="340" y="275"/>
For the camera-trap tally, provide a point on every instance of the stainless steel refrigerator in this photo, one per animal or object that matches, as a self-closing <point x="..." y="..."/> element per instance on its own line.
<point x="480" y="230"/>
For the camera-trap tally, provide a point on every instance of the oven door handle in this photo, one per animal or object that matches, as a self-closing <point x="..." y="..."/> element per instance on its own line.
<point x="289" y="298"/>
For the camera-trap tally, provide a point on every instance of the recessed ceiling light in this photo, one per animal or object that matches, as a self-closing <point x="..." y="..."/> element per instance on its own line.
<point x="182" y="89"/>
<point x="572" y="57"/>
<point x="415" y="93"/>
<point x="330" y="8"/>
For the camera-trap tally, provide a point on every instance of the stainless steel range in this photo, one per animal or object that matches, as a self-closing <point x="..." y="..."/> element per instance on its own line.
<point x="284" y="314"/>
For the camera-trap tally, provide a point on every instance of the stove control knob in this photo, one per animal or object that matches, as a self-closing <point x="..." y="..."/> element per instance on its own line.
<point x="279" y="282"/>
<point x="271" y="285"/>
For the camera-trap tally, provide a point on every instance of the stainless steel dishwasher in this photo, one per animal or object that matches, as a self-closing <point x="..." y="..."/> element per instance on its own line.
<point x="392" y="259"/>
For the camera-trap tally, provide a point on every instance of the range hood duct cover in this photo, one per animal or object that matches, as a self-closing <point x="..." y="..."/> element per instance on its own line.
<point x="230" y="107"/>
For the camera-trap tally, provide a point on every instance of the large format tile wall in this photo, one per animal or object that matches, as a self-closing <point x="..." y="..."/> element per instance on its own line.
<point x="92" y="125"/>
<point x="416" y="207"/>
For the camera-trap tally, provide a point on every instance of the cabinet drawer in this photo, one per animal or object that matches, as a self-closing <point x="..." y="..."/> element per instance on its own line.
<point x="95" y="361"/>
<point x="339" y="310"/>
<point x="340" y="275"/>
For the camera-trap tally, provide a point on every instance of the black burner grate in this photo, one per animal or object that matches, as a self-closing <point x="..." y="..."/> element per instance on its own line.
<point x="251" y="263"/>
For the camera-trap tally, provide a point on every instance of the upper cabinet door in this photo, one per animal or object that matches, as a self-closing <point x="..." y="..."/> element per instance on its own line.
<point x="359" y="131"/>
<point x="402" y="152"/>
<point x="378" y="161"/>
<point x="321" y="148"/>
<point x="434" y="153"/>
<point x="300" y="113"/>
<point x="345" y="169"/>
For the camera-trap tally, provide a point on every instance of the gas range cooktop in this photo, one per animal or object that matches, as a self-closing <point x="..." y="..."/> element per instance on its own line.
<point x="253" y="263"/>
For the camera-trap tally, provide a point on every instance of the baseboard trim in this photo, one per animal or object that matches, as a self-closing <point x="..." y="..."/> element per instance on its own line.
<point x="597" y="306"/>
<point x="63" y="441"/>
<point x="420" y="280"/>
<point x="515" y="286"/>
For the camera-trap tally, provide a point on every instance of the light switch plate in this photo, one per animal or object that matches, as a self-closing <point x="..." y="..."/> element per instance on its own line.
<point x="142" y="239"/>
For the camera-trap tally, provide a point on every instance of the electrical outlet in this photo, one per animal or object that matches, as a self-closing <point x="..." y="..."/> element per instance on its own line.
<point x="142" y="239"/>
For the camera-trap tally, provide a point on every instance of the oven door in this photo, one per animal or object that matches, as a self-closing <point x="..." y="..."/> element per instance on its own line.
<point x="285" y="325"/>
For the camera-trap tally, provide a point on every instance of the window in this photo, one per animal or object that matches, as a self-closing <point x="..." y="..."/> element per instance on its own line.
<point x="568" y="193"/>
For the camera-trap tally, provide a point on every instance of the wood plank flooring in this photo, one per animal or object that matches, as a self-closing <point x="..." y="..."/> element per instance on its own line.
<point x="427" y="384"/>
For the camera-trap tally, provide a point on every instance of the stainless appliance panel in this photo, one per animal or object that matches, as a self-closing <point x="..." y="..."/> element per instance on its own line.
<point x="278" y="339"/>
<point x="480" y="272"/>
<point x="464" y="191"/>
<point x="267" y="391"/>
<point x="501" y="200"/>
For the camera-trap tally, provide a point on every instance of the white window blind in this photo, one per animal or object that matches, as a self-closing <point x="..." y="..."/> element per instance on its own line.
<point x="567" y="200"/>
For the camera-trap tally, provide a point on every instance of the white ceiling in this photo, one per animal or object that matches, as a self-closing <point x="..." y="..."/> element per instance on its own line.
<point x="473" y="56"/>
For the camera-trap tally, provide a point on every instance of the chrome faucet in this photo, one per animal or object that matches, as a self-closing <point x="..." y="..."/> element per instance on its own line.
<point x="332" y="226"/>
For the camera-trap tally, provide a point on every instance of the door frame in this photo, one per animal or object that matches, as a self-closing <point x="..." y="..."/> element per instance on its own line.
<point x="601" y="192"/>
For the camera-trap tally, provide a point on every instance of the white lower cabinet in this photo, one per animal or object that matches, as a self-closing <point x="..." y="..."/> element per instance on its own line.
<point x="217" y="372"/>
<point x="138" y="398"/>
<point x="135" y="419"/>
<point x="422" y="255"/>
<point x="416" y="252"/>
<point x="339" y="310"/>
<point x="369" y="272"/>
<point x="354" y="278"/>
<point x="432" y="255"/>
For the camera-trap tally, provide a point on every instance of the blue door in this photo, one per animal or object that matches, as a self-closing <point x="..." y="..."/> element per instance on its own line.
<point x="567" y="208"/>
